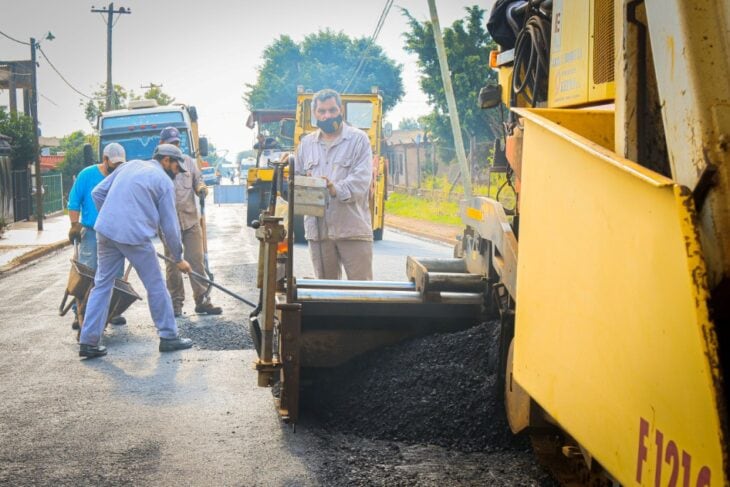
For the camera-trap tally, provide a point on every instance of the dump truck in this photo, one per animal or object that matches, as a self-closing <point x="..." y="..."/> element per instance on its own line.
<point x="363" y="111"/>
<point x="610" y="278"/>
<point x="137" y="128"/>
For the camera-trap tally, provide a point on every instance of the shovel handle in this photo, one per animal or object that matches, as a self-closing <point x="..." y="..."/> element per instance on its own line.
<point x="205" y="279"/>
<point x="126" y="273"/>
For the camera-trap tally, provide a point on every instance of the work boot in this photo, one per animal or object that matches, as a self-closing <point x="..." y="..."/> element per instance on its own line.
<point x="91" y="351"/>
<point x="177" y="310"/>
<point x="118" y="320"/>
<point x="172" y="344"/>
<point x="207" y="308"/>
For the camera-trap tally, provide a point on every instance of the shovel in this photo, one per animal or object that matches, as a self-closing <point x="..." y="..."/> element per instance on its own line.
<point x="211" y="283"/>
<point x="204" y="229"/>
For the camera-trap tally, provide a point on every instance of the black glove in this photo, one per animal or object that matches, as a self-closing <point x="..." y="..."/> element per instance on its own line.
<point x="74" y="232"/>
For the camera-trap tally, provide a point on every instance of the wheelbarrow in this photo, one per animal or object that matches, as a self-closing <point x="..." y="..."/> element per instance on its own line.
<point x="81" y="281"/>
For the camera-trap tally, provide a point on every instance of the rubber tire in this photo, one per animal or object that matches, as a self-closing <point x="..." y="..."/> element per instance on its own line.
<point x="255" y="330"/>
<point x="253" y="200"/>
<point x="256" y="200"/>
<point x="299" y="229"/>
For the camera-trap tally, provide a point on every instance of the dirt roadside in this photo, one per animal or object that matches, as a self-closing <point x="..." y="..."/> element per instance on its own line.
<point x="422" y="228"/>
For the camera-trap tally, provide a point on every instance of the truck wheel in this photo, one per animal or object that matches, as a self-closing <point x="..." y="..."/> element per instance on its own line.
<point x="299" y="229"/>
<point x="253" y="202"/>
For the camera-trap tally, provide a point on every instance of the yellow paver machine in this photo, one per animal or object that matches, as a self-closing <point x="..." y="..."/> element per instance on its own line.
<point x="612" y="275"/>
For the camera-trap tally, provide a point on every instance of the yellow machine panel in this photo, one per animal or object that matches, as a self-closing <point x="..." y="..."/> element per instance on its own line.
<point x="581" y="53"/>
<point x="612" y="293"/>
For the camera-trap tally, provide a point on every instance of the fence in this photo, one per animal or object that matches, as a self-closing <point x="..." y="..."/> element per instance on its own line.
<point x="21" y="194"/>
<point x="446" y="191"/>
<point x="52" y="185"/>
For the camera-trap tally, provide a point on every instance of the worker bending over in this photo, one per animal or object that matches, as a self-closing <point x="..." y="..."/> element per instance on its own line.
<point x="340" y="154"/>
<point x="82" y="212"/>
<point x="133" y="202"/>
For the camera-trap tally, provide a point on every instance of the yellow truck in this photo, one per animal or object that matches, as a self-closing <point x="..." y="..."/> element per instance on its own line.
<point x="615" y="315"/>
<point x="364" y="111"/>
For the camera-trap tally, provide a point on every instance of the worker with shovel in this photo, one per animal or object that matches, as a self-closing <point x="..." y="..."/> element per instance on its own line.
<point x="134" y="202"/>
<point x="192" y="230"/>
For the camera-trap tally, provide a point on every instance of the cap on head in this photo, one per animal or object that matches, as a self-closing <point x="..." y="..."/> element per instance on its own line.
<point x="115" y="153"/>
<point x="169" y="135"/>
<point x="169" y="150"/>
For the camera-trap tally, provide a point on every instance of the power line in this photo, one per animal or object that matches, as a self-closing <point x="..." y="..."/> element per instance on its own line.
<point x="60" y="75"/>
<point x="48" y="99"/>
<point x="14" y="39"/>
<point x="373" y="38"/>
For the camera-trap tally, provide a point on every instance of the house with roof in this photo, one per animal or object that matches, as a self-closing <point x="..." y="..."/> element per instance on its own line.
<point x="410" y="155"/>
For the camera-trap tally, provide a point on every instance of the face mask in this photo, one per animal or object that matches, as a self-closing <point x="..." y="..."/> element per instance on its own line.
<point x="331" y="125"/>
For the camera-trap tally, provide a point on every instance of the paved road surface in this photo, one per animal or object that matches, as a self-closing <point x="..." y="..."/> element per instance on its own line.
<point x="138" y="417"/>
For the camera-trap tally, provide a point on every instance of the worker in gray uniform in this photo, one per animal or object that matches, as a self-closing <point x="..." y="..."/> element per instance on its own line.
<point x="187" y="186"/>
<point x="133" y="202"/>
<point x="340" y="154"/>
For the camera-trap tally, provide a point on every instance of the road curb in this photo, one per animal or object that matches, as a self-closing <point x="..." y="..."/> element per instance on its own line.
<point x="34" y="254"/>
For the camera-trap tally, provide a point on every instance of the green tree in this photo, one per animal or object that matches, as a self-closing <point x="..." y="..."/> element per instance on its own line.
<point x="325" y="59"/>
<point x="409" y="124"/>
<point x="73" y="161"/>
<point x="19" y="128"/>
<point x="467" y="45"/>
<point x="94" y="107"/>
<point x="154" y="93"/>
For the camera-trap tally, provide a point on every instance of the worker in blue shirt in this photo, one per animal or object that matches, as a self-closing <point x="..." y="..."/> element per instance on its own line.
<point x="133" y="202"/>
<point x="82" y="213"/>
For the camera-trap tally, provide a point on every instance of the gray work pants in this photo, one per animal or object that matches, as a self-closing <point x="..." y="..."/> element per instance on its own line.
<point x="111" y="255"/>
<point x="330" y="256"/>
<point x="192" y="240"/>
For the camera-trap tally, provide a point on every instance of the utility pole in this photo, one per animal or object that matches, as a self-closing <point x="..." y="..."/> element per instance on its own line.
<point x="110" y="101"/>
<point x="36" y="149"/>
<point x="450" y="101"/>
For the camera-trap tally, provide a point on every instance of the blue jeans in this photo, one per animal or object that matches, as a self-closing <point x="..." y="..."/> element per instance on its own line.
<point x="87" y="248"/>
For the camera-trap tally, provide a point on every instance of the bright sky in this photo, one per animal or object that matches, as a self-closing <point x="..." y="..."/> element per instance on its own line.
<point x="203" y="53"/>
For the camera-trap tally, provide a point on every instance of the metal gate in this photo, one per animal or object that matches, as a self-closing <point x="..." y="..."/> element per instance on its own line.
<point x="21" y="194"/>
<point x="6" y="189"/>
<point x="52" y="193"/>
<point x="52" y="187"/>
